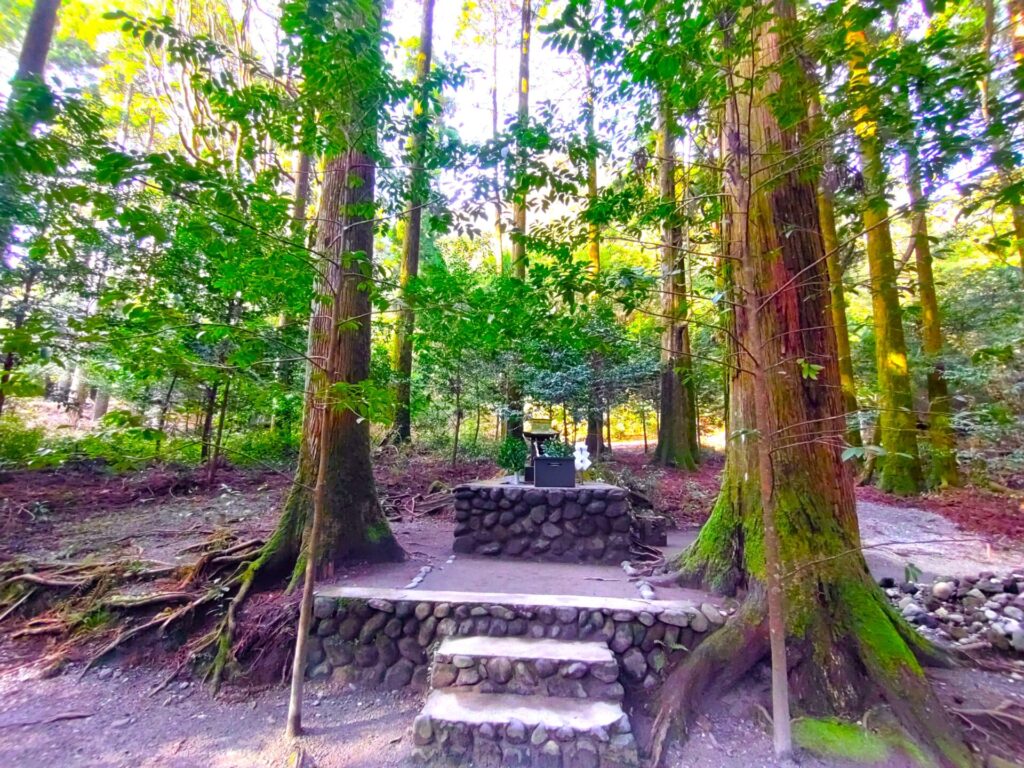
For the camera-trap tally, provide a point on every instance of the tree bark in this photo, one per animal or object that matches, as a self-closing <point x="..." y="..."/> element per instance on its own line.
<point x="161" y="420"/>
<point x="522" y="119"/>
<point x="211" y="467"/>
<point x="35" y="49"/>
<point x="847" y="649"/>
<point x="674" y="432"/>
<point x="354" y="527"/>
<point x="208" y="410"/>
<point x="900" y="467"/>
<point x="401" y="430"/>
<point x="1015" y="9"/>
<point x="499" y="226"/>
<point x="837" y="294"/>
<point x="943" y="469"/>
<point x="101" y="404"/>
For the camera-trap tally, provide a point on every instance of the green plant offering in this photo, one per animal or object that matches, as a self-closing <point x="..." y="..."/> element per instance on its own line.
<point x="558" y="449"/>
<point x="512" y="455"/>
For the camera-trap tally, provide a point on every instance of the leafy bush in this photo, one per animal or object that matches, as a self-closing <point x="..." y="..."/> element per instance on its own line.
<point x="558" y="449"/>
<point x="512" y="454"/>
<point x="19" y="444"/>
<point x="259" y="447"/>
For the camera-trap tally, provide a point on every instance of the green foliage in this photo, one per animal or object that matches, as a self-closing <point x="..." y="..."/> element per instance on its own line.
<point x="19" y="444"/>
<point x="512" y="454"/>
<point x="558" y="448"/>
<point x="260" y="448"/>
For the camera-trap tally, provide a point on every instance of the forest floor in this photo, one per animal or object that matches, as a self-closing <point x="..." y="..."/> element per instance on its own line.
<point x="109" y="717"/>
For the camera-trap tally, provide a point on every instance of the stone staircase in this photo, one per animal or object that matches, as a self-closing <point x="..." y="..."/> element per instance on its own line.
<point x="523" y="701"/>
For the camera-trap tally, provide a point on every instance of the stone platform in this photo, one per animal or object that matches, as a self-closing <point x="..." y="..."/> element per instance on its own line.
<point x="522" y="663"/>
<point x="588" y="523"/>
<point x="387" y="638"/>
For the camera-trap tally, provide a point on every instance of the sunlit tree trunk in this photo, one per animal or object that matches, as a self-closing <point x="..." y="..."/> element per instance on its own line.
<point x="847" y="649"/>
<point x="334" y="454"/>
<point x="522" y="118"/>
<point x="499" y="226"/>
<point x="1016" y="13"/>
<point x="837" y="295"/>
<point x="35" y="49"/>
<point x="595" y="419"/>
<point x="418" y="192"/>
<point x="900" y="466"/>
<point x="674" y="433"/>
<point x="943" y="470"/>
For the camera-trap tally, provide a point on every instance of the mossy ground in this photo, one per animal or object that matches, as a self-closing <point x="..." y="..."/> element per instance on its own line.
<point x="841" y="740"/>
<point x="838" y="739"/>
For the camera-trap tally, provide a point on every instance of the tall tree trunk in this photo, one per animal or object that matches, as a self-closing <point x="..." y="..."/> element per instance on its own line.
<point x="211" y="467"/>
<point x="837" y="294"/>
<point x="20" y="315"/>
<point x="354" y="527"/>
<point x="674" y="448"/>
<point x="900" y="466"/>
<point x="419" y="190"/>
<point x="458" y="420"/>
<point x="36" y="46"/>
<point x="35" y="49"/>
<point x="1015" y="9"/>
<point x="209" y="407"/>
<point x="943" y="470"/>
<point x="499" y="226"/>
<point x="595" y="419"/>
<point x="608" y="428"/>
<point x="847" y="648"/>
<point x="522" y="118"/>
<point x="101" y="404"/>
<point x="589" y="109"/>
<point x="161" y="422"/>
<point x="335" y="451"/>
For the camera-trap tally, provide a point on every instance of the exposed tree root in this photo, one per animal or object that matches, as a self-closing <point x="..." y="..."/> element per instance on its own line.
<point x="726" y="656"/>
<point x="713" y="667"/>
<point x="78" y="600"/>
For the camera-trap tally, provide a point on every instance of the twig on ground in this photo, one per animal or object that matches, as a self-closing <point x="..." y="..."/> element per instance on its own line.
<point x="14" y="607"/>
<point x="49" y="719"/>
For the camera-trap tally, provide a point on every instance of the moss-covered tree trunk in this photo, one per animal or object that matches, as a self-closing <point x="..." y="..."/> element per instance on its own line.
<point x="419" y="190"/>
<point x="837" y="294"/>
<point x="942" y="468"/>
<point x="899" y="468"/>
<point x="847" y="649"/>
<point x="676" y="414"/>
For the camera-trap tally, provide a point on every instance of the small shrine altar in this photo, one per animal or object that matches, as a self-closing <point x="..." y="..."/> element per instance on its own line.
<point x="590" y="522"/>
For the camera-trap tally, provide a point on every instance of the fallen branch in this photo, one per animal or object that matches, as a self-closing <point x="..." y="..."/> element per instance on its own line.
<point x="50" y="719"/>
<point x="14" y="607"/>
<point x="141" y="601"/>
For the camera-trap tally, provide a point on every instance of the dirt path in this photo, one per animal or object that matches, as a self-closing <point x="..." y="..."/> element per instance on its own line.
<point x="895" y="536"/>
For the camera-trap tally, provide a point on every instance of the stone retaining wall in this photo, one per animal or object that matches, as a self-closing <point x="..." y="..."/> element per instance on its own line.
<point x="389" y="643"/>
<point x="526" y="677"/>
<point x="485" y="745"/>
<point x="584" y="524"/>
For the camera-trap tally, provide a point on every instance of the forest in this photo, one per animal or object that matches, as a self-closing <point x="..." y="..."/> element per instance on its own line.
<point x="277" y="279"/>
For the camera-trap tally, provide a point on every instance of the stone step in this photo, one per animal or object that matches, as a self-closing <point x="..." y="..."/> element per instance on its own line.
<point x="527" y="667"/>
<point x="509" y="730"/>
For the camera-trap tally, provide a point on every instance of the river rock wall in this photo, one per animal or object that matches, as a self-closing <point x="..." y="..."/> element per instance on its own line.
<point x="584" y="524"/>
<point x="390" y="643"/>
